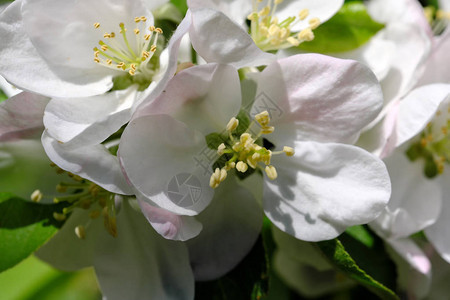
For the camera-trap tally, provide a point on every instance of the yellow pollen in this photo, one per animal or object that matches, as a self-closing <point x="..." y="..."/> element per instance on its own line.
<point x="217" y="177"/>
<point x="96" y="60"/>
<point x="97" y="25"/>
<point x="264" y="12"/>
<point x="104" y="47"/>
<point x="153" y="48"/>
<point x="136" y="31"/>
<point x="147" y="37"/>
<point x="288" y="150"/>
<point x="271" y="172"/>
<point x="278" y="1"/>
<point x="241" y="167"/>
<point x="159" y="30"/>
<point x="303" y="14"/>
<point x="36" y="196"/>
<point x="306" y="35"/>
<point x="152" y="28"/>
<point x="137" y="19"/>
<point x="232" y="124"/>
<point x="109" y="62"/>
<point x="314" y="23"/>
<point x="143" y="19"/>
<point x="293" y="41"/>
<point x="80" y="232"/>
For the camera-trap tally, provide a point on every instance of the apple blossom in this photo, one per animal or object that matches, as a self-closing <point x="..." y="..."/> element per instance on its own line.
<point x="273" y="24"/>
<point x="317" y="115"/>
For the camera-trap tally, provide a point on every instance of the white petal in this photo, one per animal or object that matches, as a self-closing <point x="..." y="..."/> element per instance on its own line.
<point x="418" y="108"/>
<point x="94" y="163"/>
<point x="218" y="39"/>
<point x="203" y="97"/>
<point x="89" y="120"/>
<point x="435" y="70"/>
<point x="322" y="9"/>
<point x="65" y="251"/>
<point x="325" y="188"/>
<point x="24" y="168"/>
<point x="412" y="47"/>
<point x="316" y="97"/>
<point x="231" y="225"/>
<point x="438" y="233"/>
<point x="164" y="160"/>
<point x="7" y="88"/>
<point x="168" y="67"/>
<point x="21" y="116"/>
<point x="25" y="68"/>
<point x="236" y="10"/>
<point x="170" y="225"/>
<point x="149" y="266"/>
<point x="407" y="212"/>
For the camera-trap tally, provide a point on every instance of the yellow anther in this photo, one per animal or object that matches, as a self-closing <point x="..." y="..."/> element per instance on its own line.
<point x="271" y="172"/>
<point x="153" y="48"/>
<point x="253" y="16"/>
<point x="80" y="232"/>
<point x="288" y="150"/>
<point x="107" y="35"/>
<point x="36" y="196"/>
<point x="264" y="12"/>
<point x="133" y="67"/>
<point x="314" y="23"/>
<point x="112" y="34"/>
<point x="59" y="217"/>
<point x="263" y="118"/>
<point x="221" y="148"/>
<point x="121" y="65"/>
<point x="137" y="19"/>
<point x="147" y="37"/>
<point x="303" y="14"/>
<point x="152" y="28"/>
<point x="104" y="48"/>
<point x="306" y="35"/>
<point x="266" y="157"/>
<point x="94" y="214"/>
<point x="232" y="124"/>
<point x="444" y="130"/>
<point x="217" y="177"/>
<point x="241" y="167"/>
<point x="136" y="31"/>
<point x="273" y="30"/>
<point x="109" y="61"/>
<point x="143" y="19"/>
<point x="97" y="25"/>
<point x="159" y="30"/>
<point x="293" y="41"/>
<point x="267" y="129"/>
<point x="278" y="1"/>
<point x="132" y="72"/>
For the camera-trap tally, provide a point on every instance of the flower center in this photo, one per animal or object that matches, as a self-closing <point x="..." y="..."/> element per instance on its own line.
<point x="434" y="145"/>
<point x="269" y="33"/>
<point x="244" y="152"/>
<point x="132" y="56"/>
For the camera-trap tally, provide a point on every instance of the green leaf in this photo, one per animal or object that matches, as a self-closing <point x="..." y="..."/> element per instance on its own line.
<point x="3" y="96"/>
<point x="248" y="280"/>
<point x="335" y="252"/>
<point x="5" y="1"/>
<point x="24" y="227"/>
<point x="181" y="5"/>
<point x="213" y="140"/>
<point x="349" y="29"/>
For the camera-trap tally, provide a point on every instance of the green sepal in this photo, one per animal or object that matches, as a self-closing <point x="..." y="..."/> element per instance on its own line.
<point x="244" y="122"/>
<point x="3" y="96"/>
<point x="338" y="256"/>
<point x="213" y="140"/>
<point x="349" y="29"/>
<point x="24" y="227"/>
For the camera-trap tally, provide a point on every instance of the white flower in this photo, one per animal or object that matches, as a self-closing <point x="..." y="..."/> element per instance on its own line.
<point x="314" y="194"/>
<point x="273" y="24"/>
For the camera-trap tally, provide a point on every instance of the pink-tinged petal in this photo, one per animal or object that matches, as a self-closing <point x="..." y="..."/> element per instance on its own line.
<point x="21" y="116"/>
<point x="407" y="212"/>
<point x="150" y="266"/>
<point x="417" y="109"/>
<point x="231" y="226"/>
<point x="218" y="39"/>
<point x="436" y="70"/>
<point x="94" y="163"/>
<point x="25" y="68"/>
<point x="170" y="225"/>
<point x="413" y="267"/>
<point x="24" y="168"/>
<point x="203" y="97"/>
<point x="325" y="188"/>
<point x="164" y="160"/>
<point x="90" y="120"/>
<point x="316" y="97"/>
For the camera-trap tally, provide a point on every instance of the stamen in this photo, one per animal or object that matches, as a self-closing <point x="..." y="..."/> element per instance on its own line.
<point x="80" y="232"/>
<point x="36" y="196"/>
<point x="96" y="25"/>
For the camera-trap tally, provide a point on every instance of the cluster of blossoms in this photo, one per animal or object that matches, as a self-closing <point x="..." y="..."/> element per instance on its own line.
<point x="168" y="150"/>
